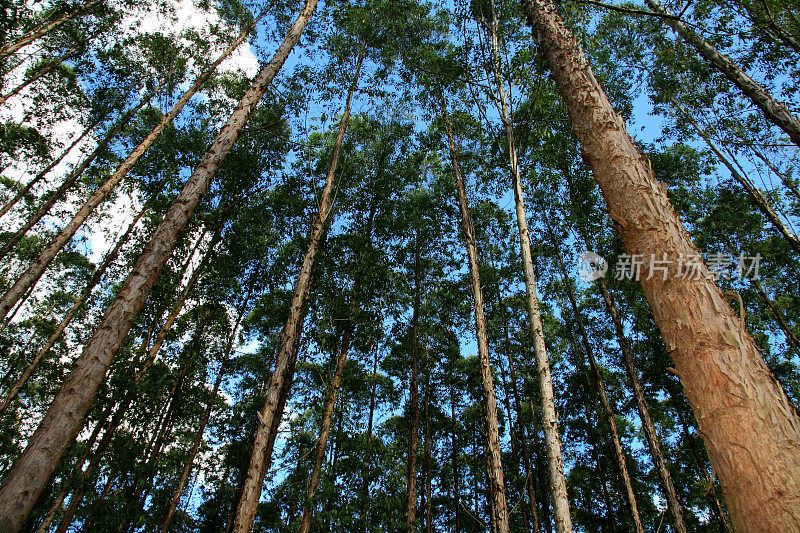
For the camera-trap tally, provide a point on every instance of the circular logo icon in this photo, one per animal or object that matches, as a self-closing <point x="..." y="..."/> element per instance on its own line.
<point x="591" y="266"/>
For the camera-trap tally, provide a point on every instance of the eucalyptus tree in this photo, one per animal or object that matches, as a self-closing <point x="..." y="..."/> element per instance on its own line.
<point x="703" y="334"/>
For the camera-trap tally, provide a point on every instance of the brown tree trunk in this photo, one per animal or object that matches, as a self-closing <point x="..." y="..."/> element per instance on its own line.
<point x="750" y="428"/>
<point x="494" y="452"/>
<point x="558" y="484"/>
<point x="521" y="431"/>
<point x="427" y="447"/>
<point x="599" y="383"/>
<point x="454" y="464"/>
<point x="251" y="490"/>
<point x="775" y="111"/>
<point x="29" y="474"/>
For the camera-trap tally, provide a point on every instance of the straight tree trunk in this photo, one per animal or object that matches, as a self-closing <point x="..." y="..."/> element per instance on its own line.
<point x="599" y="383"/>
<point x="201" y="177"/>
<point x="494" y="452"/>
<point x="324" y="432"/>
<point x="750" y="428"/>
<point x="558" y="486"/>
<point x="251" y="491"/>
<point x="454" y="465"/>
<point x="521" y="432"/>
<point x="775" y="111"/>
<point x="427" y="448"/>
<point x="30" y="473"/>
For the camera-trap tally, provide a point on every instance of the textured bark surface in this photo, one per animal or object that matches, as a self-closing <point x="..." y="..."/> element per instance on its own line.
<point x="493" y="450"/>
<point x="751" y="431"/>
<point x="29" y="474"/>
<point x="775" y="111"/>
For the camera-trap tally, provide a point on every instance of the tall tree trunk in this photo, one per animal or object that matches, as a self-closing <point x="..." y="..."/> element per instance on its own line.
<point x="454" y="464"/>
<point x="256" y="471"/>
<point x="521" y="431"/>
<point x="750" y="428"/>
<point x="198" y="183"/>
<point x="494" y="452"/>
<point x="427" y="448"/>
<point x="558" y="486"/>
<point x="50" y="166"/>
<point x="775" y="111"/>
<point x="29" y="474"/>
<point x="365" y="500"/>
<point x="324" y="432"/>
<point x="198" y="439"/>
<point x="413" y="426"/>
<point x="599" y="383"/>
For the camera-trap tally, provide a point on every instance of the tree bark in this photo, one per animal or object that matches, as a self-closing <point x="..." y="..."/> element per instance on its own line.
<point x="413" y="429"/>
<point x="29" y="474"/>
<point x="749" y="426"/>
<point x="494" y="452"/>
<point x="774" y="111"/>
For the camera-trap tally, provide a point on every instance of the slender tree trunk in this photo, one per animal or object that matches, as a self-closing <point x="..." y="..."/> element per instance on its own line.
<point x="494" y="452"/>
<point x="251" y="490"/>
<point x="454" y="463"/>
<point x="750" y="428"/>
<point x="521" y="432"/>
<point x="413" y="430"/>
<point x="187" y="467"/>
<point x="775" y="111"/>
<point x="45" y="28"/>
<point x="29" y="474"/>
<point x="427" y="448"/>
<point x="761" y="203"/>
<point x="558" y="484"/>
<point x="368" y="461"/>
<point x="50" y="166"/>
<point x="605" y="404"/>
